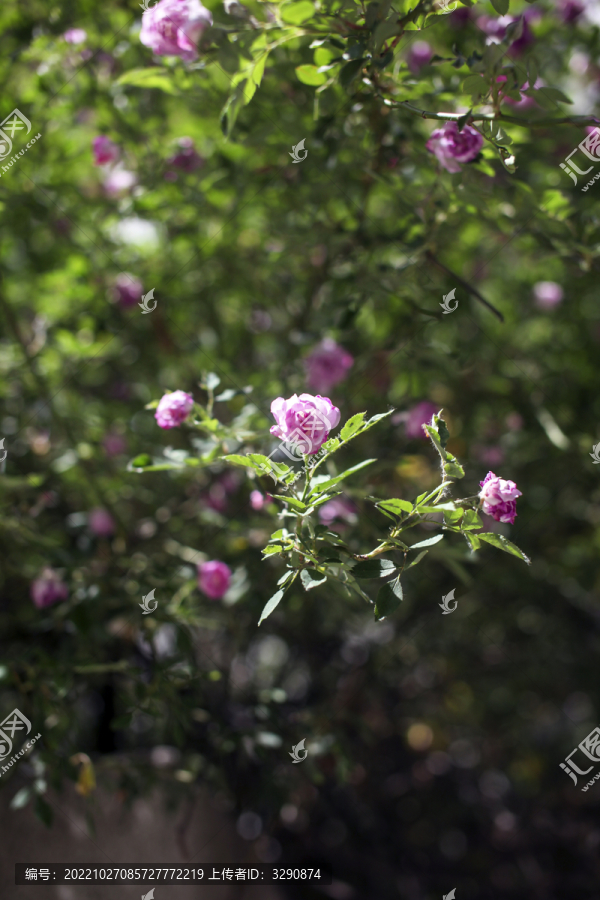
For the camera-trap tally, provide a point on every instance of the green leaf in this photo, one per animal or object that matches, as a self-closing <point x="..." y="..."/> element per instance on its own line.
<point x="553" y="94"/>
<point x="418" y="559"/>
<point x="398" y="507"/>
<point x="352" y="426"/>
<point x="453" y="516"/>
<point x="473" y="541"/>
<point x="442" y="430"/>
<point x="141" y="461"/>
<point x="21" y="798"/>
<point x="389" y="598"/>
<point x="285" y="577"/>
<point x="373" y="568"/>
<point x="152" y="77"/>
<point x="212" y="381"/>
<point x="231" y="109"/>
<point x="498" y="540"/>
<point x="272" y="548"/>
<point x="311" y="579"/>
<point x="471" y="521"/>
<point x="454" y="469"/>
<point x="297" y="12"/>
<point x="325" y="485"/>
<point x="43" y="811"/>
<point x="429" y="542"/>
<point x="295" y="504"/>
<point x="310" y="75"/>
<point x="501" y="6"/>
<point x="349" y="72"/>
<point x="271" y="605"/>
<point x="475" y="85"/>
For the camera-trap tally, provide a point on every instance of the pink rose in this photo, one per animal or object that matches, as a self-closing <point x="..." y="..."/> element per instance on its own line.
<point x="173" y="27"/>
<point x="48" y="589"/>
<point x="452" y="146"/>
<point x="173" y="409"/>
<point x="101" y="523"/>
<point x="499" y="498"/>
<point x="186" y="160"/>
<point x="419" y="55"/>
<point x="75" y="36"/>
<point x="304" y="421"/>
<point x="547" y="294"/>
<point x="128" y="288"/>
<point x="214" y="578"/>
<point x="418" y="416"/>
<point x="104" y="150"/>
<point x="327" y="365"/>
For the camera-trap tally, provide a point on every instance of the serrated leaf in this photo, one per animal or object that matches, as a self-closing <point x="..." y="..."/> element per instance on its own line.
<point x="373" y="568"/>
<point x="272" y="548"/>
<point x="471" y="521"/>
<point x="398" y="507"/>
<point x="453" y="516"/>
<point x="297" y="12"/>
<point x="310" y="75"/>
<point x="498" y="540"/>
<point x="271" y="605"/>
<point x="475" y="85"/>
<point x="473" y="541"/>
<point x="353" y="425"/>
<point x="311" y="579"/>
<point x="389" y="598"/>
<point x="454" y="469"/>
<point x="319" y="488"/>
<point x="429" y="542"/>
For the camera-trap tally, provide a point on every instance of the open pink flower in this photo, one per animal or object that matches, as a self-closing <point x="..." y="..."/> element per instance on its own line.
<point x="327" y="365"/>
<point x="304" y="421"/>
<point x="48" y="589"/>
<point x="173" y="409"/>
<point x="105" y="151"/>
<point x="174" y="27"/>
<point x="499" y="498"/>
<point x="419" y="55"/>
<point x="452" y="146"/>
<point x="214" y="578"/>
<point x="418" y="416"/>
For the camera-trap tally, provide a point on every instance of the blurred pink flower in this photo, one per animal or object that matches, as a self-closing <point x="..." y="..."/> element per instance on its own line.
<point x="214" y="578"/>
<point x="338" y="508"/>
<point x="452" y="146"/>
<point x="118" y="181"/>
<point x="173" y="409"/>
<point x="174" y="27"/>
<point x="114" y="444"/>
<point x="514" y="421"/>
<point x="490" y="456"/>
<point x="327" y="365"/>
<point x="128" y="288"/>
<point x="101" y="523"/>
<point x="570" y="10"/>
<point x="419" y="55"/>
<point x="75" y="36"/>
<point x="257" y="500"/>
<point x="105" y="151"/>
<point x="186" y="159"/>
<point x="547" y="294"/>
<point x="418" y="416"/>
<point x="304" y="421"/>
<point x="48" y="589"/>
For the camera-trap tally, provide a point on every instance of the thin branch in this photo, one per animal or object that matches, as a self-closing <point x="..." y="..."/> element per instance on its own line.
<point x="501" y="117"/>
<point x="465" y="284"/>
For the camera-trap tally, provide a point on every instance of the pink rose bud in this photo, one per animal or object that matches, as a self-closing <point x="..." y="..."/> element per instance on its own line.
<point x="118" y="181"/>
<point x="452" y="146"/>
<point x="75" y="36"/>
<point x="419" y="55"/>
<point x="327" y="365"/>
<point x="214" y="578"/>
<point x="128" y="288"/>
<point x="174" y="27"/>
<point x="304" y="421"/>
<point x="48" y="589"/>
<point x="418" y="416"/>
<point x="186" y="160"/>
<point x="174" y="409"/>
<point x="101" y="523"/>
<point x="104" y="150"/>
<point x="499" y="498"/>
<point x="547" y="294"/>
